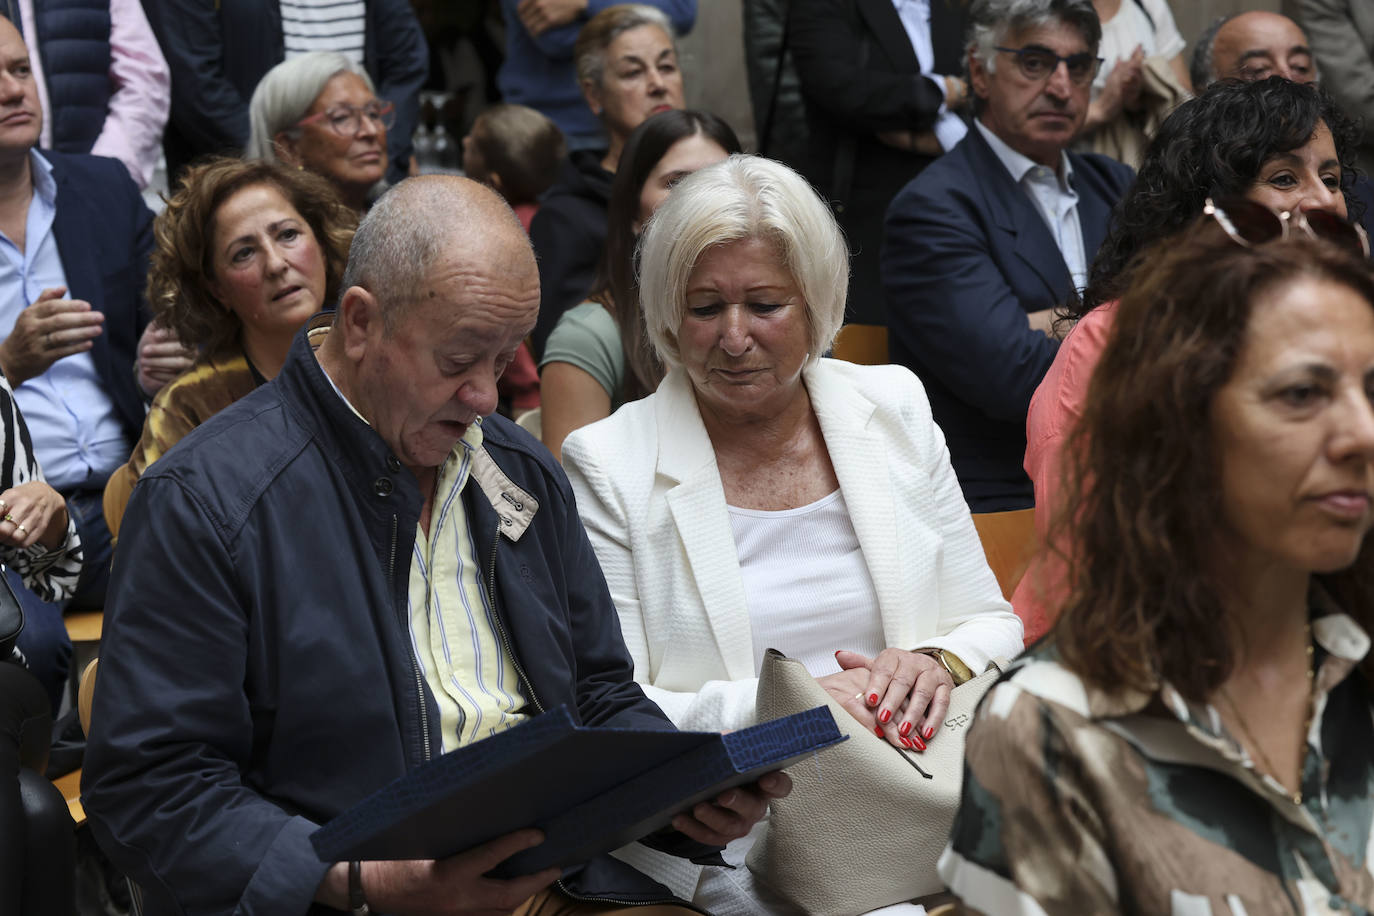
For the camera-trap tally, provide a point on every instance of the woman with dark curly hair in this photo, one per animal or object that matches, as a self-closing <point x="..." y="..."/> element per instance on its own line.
<point x="1195" y="734"/>
<point x="247" y="251"/>
<point x="1273" y="141"/>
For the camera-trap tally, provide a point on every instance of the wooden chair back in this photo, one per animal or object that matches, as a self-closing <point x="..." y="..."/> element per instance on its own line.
<point x="865" y="344"/>
<point x="1009" y="542"/>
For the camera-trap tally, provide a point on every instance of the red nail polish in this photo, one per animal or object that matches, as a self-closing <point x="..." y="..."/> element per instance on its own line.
<point x="929" y="731"/>
<point x="884" y="716"/>
<point x="906" y="742"/>
<point x="872" y="699"/>
<point x="879" y="732"/>
<point x="905" y="729"/>
<point x="920" y="745"/>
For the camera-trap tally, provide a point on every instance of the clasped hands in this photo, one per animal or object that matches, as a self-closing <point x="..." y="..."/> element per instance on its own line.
<point x="461" y="884"/>
<point x="901" y="696"/>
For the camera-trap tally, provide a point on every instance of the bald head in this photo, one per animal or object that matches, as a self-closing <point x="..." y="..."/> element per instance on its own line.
<point x="1252" y="46"/>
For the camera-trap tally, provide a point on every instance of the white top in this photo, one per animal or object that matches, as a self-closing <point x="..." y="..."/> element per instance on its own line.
<point x="1054" y="197"/>
<point x="915" y="16"/>
<point x="323" y="25"/>
<point x="1128" y="28"/>
<point x="808" y="589"/>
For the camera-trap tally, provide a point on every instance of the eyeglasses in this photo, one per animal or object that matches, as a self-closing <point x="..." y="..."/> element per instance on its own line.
<point x="1040" y="63"/>
<point x="1249" y="224"/>
<point x="347" y="120"/>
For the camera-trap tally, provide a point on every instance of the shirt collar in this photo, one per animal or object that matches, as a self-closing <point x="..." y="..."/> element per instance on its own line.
<point x="1018" y="164"/>
<point x="44" y="186"/>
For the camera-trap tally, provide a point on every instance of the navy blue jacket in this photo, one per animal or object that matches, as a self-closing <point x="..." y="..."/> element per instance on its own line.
<point x="256" y="677"/>
<point x="218" y="51"/>
<point x="966" y="256"/>
<point x="104" y="234"/>
<point x="74" y="40"/>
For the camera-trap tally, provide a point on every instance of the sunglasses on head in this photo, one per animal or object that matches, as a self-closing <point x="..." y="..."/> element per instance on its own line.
<point x="1249" y="223"/>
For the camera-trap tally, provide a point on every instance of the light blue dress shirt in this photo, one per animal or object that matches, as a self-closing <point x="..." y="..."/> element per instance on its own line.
<point x="77" y="435"/>
<point x="915" y="16"/>
<point x="1054" y="198"/>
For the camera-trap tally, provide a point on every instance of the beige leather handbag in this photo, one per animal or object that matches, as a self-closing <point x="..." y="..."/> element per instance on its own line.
<point x="866" y="821"/>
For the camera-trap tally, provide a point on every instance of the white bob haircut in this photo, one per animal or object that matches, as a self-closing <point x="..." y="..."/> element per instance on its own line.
<point x="285" y="94"/>
<point x="743" y="197"/>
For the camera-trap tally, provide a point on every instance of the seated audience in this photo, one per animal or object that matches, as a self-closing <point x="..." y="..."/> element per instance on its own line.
<point x="599" y="355"/>
<point x="881" y="83"/>
<point x="1196" y="736"/>
<point x="118" y="113"/>
<point x="766" y="497"/>
<point x="219" y="52"/>
<point x="246" y="252"/>
<point x="982" y="245"/>
<point x="319" y="112"/>
<point x="313" y="669"/>
<point x="74" y="242"/>
<point x="516" y="150"/>
<point x="627" y="66"/>
<point x="539" y="70"/>
<point x="1277" y="142"/>
<point x="39" y="542"/>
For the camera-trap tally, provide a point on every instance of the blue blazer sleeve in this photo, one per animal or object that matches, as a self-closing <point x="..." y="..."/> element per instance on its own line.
<point x="950" y="302"/>
<point x="206" y="107"/>
<point x="400" y="68"/>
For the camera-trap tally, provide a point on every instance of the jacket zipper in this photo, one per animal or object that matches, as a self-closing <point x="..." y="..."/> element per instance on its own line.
<point x="414" y="662"/>
<point x="534" y="698"/>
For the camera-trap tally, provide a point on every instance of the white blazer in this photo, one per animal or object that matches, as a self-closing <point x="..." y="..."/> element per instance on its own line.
<point x="651" y="498"/>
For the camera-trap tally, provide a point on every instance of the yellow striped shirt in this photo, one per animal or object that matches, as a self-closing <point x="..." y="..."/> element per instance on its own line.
<point x="452" y="629"/>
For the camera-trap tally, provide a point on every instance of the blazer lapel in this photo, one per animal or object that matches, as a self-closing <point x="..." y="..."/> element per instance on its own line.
<point x="72" y="229"/>
<point x="702" y="519"/>
<point x="859" y="457"/>
<point x="889" y="33"/>
<point x="1015" y="213"/>
<point x="1094" y="209"/>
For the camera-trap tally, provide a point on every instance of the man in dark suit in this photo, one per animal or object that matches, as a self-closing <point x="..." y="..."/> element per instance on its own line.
<point x="980" y="248"/>
<point x="74" y="242"/>
<point x="879" y="79"/>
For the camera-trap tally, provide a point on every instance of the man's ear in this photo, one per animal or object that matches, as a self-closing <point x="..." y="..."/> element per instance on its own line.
<point x="285" y="146"/>
<point x="977" y="73"/>
<point x="360" y="320"/>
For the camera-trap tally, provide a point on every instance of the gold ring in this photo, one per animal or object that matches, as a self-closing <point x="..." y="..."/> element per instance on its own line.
<point x="8" y="517"/>
<point x="21" y="528"/>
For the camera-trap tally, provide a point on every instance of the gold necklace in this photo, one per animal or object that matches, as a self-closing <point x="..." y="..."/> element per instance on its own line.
<point x="1306" y="728"/>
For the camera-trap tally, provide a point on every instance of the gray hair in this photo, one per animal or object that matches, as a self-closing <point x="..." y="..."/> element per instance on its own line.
<point x="285" y="94"/>
<point x="1201" y="69"/>
<point x="411" y="226"/>
<point x="991" y="21"/>
<point x="742" y="197"/>
<point x="589" y="51"/>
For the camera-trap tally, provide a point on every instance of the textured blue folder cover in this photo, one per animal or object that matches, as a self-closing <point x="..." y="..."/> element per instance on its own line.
<point x="590" y="790"/>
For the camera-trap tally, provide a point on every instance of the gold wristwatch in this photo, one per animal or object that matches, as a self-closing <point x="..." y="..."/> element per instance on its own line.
<point x="952" y="663"/>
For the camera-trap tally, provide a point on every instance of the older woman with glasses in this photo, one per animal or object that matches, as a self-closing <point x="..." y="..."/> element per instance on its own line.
<point x="320" y="112"/>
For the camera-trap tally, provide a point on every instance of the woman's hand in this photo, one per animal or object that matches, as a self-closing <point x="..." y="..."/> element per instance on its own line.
<point x="906" y="692"/>
<point x="846" y="688"/>
<point x="1122" y="90"/>
<point x="33" y="512"/>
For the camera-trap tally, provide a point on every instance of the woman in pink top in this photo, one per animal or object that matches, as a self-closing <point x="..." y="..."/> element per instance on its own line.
<point x="1273" y="141"/>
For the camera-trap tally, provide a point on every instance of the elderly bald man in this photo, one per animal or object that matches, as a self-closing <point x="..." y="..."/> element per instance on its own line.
<point x="354" y="569"/>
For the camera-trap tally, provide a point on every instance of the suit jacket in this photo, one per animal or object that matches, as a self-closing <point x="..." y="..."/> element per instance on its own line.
<point x="104" y="234"/>
<point x="1341" y="33"/>
<point x="966" y="256"/>
<point x="651" y="497"/>
<point x="859" y="76"/>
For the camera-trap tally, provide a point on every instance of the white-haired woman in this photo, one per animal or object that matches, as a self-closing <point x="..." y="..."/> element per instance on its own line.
<point x="626" y="60"/>
<point x="766" y="497"/>
<point x="320" y="112"/>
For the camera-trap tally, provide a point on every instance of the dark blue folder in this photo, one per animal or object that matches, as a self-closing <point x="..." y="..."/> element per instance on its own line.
<point x="590" y="789"/>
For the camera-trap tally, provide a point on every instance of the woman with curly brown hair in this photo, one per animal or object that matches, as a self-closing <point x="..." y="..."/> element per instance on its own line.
<point x="1195" y="734"/>
<point x="1281" y="143"/>
<point x="247" y="251"/>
